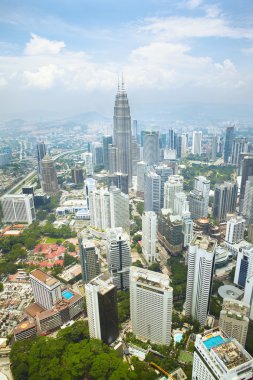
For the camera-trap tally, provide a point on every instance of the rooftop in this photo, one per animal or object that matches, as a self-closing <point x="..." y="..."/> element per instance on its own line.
<point x="150" y="278"/>
<point x="204" y="242"/>
<point x="103" y="282"/>
<point x="44" y="277"/>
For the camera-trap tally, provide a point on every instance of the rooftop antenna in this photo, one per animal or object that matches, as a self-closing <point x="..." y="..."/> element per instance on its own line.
<point x="118" y="84"/>
<point x="123" y="86"/>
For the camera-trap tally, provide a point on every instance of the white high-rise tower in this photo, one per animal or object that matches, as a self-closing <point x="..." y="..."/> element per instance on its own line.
<point x="149" y="236"/>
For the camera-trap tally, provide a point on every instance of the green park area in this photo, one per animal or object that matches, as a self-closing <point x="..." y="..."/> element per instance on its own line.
<point x="186" y="357"/>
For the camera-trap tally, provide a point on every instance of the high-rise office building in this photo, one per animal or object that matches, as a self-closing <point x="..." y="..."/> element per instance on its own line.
<point x="250" y="233"/>
<point x="151" y="151"/>
<point x="77" y="175"/>
<point x="89" y="259"/>
<point x="101" y="300"/>
<point x="107" y="141"/>
<point x="235" y="230"/>
<point x="122" y="134"/>
<point x="109" y="208"/>
<point x="46" y="289"/>
<point x="18" y="208"/>
<point x="217" y="357"/>
<point x="248" y="295"/>
<point x="197" y="142"/>
<point x="120" y="180"/>
<point x="141" y="170"/>
<point x="247" y="209"/>
<point x="49" y="182"/>
<point x="171" y="139"/>
<point x="136" y="154"/>
<point x="149" y="236"/>
<point x="214" y="147"/>
<point x="152" y="192"/>
<point x="183" y="145"/>
<point x="234" y="319"/>
<point x="170" y="232"/>
<point x="135" y="129"/>
<point x="173" y="186"/>
<point x="201" y="258"/>
<point x="247" y="171"/>
<point x="97" y="153"/>
<point x="151" y="300"/>
<point x="225" y="198"/>
<point x="244" y="265"/>
<point x="228" y="143"/>
<point x="164" y="171"/>
<point x="119" y="257"/>
<point x="199" y="198"/>
<point x="88" y="159"/>
<point x="239" y="145"/>
<point x="41" y="152"/>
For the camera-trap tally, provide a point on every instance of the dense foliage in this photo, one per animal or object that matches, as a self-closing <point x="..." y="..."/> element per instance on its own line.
<point x="72" y="356"/>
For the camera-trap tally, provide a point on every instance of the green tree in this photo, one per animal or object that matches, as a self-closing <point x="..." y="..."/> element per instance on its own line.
<point x="1" y="287"/>
<point x="140" y="207"/>
<point x="155" y="267"/>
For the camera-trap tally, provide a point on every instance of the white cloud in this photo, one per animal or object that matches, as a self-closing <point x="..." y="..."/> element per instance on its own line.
<point x="192" y="4"/>
<point x="3" y="82"/>
<point x="42" y="46"/>
<point x="44" y="77"/>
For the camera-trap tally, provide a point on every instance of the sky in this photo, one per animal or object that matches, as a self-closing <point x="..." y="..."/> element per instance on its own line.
<point x="64" y="57"/>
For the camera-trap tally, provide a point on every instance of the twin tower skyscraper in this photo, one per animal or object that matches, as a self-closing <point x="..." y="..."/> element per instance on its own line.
<point x="122" y="133"/>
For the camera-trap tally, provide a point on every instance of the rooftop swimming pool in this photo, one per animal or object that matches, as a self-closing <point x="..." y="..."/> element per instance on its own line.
<point x="213" y="342"/>
<point x="67" y="294"/>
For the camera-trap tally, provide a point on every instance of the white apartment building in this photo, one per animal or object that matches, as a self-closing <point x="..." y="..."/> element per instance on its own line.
<point x="151" y="300"/>
<point x="88" y="159"/>
<point x="217" y="357"/>
<point x="247" y="210"/>
<point x="196" y="142"/>
<point x="201" y="257"/>
<point x="235" y="230"/>
<point x="248" y="295"/>
<point x="141" y="170"/>
<point x="234" y="319"/>
<point x="46" y="289"/>
<point x="173" y="186"/>
<point x="199" y="198"/>
<point x="18" y="208"/>
<point x="244" y="265"/>
<point x="149" y="236"/>
<point x="119" y="257"/>
<point x="152" y="192"/>
<point x="184" y="146"/>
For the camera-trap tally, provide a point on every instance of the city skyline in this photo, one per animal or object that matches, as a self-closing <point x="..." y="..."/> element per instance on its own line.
<point x="186" y="52"/>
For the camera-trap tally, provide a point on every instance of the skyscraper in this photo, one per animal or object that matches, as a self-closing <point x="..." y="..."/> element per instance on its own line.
<point x="228" y="143"/>
<point x="41" y="152"/>
<point x="201" y="259"/>
<point x="88" y="159"/>
<point x="247" y="171"/>
<point x="49" y="182"/>
<point x="77" y="175"/>
<point x="247" y="209"/>
<point x="151" y="147"/>
<point x="239" y="145"/>
<point x="141" y="170"/>
<point x="151" y="300"/>
<point x="225" y="198"/>
<point x="136" y="154"/>
<point x="244" y="265"/>
<point x="152" y="192"/>
<point x="164" y="171"/>
<point x="217" y="357"/>
<point x="101" y="300"/>
<point x="122" y="134"/>
<point x="18" y="208"/>
<point x="199" y="198"/>
<point x="235" y="230"/>
<point x="119" y="257"/>
<point x="89" y="259"/>
<point x="214" y="147"/>
<point x="149" y="236"/>
<point x="196" y="142"/>
<point x="171" y="187"/>
<point x="46" y="289"/>
<point x="107" y="140"/>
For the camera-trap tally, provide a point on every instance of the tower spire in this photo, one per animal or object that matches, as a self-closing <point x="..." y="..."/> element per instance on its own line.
<point x="122" y="82"/>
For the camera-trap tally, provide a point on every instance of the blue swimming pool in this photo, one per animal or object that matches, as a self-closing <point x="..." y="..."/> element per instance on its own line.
<point x="67" y="294"/>
<point x="213" y="342"/>
<point x="178" y="337"/>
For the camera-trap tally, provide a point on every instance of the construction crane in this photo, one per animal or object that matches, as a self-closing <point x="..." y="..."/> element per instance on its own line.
<point x="160" y="369"/>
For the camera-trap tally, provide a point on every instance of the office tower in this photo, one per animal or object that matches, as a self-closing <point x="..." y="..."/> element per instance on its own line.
<point x="187" y="229"/>
<point x="244" y="265"/>
<point x="101" y="300"/>
<point x="235" y="230"/>
<point x="151" y="151"/>
<point x="179" y="146"/>
<point x="98" y="154"/>
<point x="49" y="182"/>
<point x="247" y="209"/>
<point x="109" y="209"/>
<point x="120" y="180"/>
<point x="28" y="190"/>
<point x="18" y="208"/>
<point x="152" y="192"/>
<point x="164" y="171"/>
<point x="77" y="175"/>
<point x="217" y="357"/>
<point x="89" y="186"/>
<point x="141" y="170"/>
<point x="228" y="144"/>
<point x="196" y="142"/>
<point x="248" y="295"/>
<point x="122" y="134"/>
<point x="135" y="129"/>
<point x="135" y="154"/>
<point x="225" y="198"/>
<point x="149" y="236"/>
<point x="199" y="198"/>
<point x="89" y="259"/>
<point x="41" y="152"/>
<point x="250" y="233"/>
<point x="173" y="186"/>
<point x="163" y="140"/>
<point x="181" y="205"/>
<point x="119" y="257"/>
<point x="107" y="141"/>
<point x="239" y="145"/>
<point x="171" y="139"/>
<point x="113" y="154"/>
<point x="46" y="289"/>
<point x="214" y="147"/>
<point x="234" y="319"/>
<point x="151" y="300"/>
<point x="247" y="171"/>
<point x="170" y="233"/>
<point x="183" y="145"/>
<point x="88" y="159"/>
<point x="201" y="258"/>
